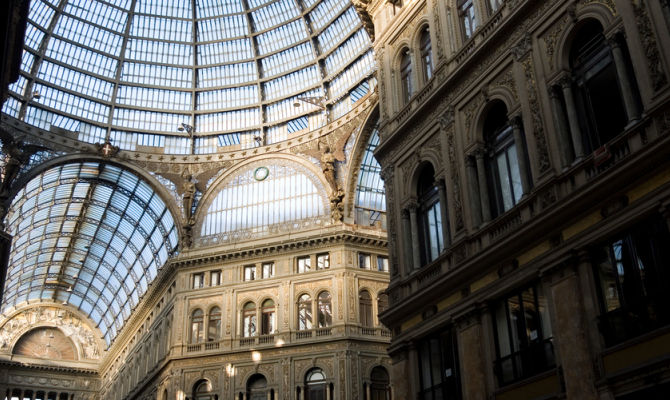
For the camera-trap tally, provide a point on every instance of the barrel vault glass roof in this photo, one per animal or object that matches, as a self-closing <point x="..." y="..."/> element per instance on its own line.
<point x="90" y="235"/>
<point x="230" y="71"/>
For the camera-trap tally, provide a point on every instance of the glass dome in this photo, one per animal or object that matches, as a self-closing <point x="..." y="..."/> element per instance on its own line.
<point x="190" y="77"/>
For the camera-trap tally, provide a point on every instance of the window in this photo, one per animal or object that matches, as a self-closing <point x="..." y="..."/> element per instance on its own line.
<point x="502" y="161"/>
<point x="249" y="320"/>
<point x="304" y="312"/>
<point x="250" y="273"/>
<point x="382" y="264"/>
<point x="494" y="5"/>
<point x="466" y="13"/>
<point x="257" y="388"/>
<point x="598" y="96"/>
<point x="523" y="335"/>
<point x="379" y="384"/>
<point x="430" y="217"/>
<point x="198" y="280"/>
<point x="438" y="366"/>
<point x="363" y="261"/>
<point x="426" y="55"/>
<point x="197" y="320"/>
<point x="315" y="385"/>
<point x="202" y="391"/>
<point x="323" y="261"/>
<point x="406" y="76"/>
<point x="634" y="281"/>
<point x="268" y="270"/>
<point x="382" y="305"/>
<point x="365" y="309"/>
<point x="325" y="316"/>
<point x="268" y="317"/>
<point x="215" y="278"/>
<point x="214" y="325"/>
<point x="304" y="264"/>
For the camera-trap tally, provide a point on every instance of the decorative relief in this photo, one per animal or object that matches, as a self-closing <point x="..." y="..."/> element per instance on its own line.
<point x="469" y="114"/>
<point x="506" y="80"/>
<point x="607" y="3"/>
<point x="536" y="115"/>
<point x="72" y="326"/>
<point x="649" y="44"/>
<point x="447" y="125"/>
<point x="438" y="30"/>
<point x="552" y="36"/>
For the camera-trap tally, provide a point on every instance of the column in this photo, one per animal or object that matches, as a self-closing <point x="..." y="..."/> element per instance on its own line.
<point x="446" y="236"/>
<point x="269" y="397"/>
<point x="473" y="189"/>
<point x="561" y="127"/>
<point x="571" y="337"/>
<point x="327" y="391"/>
<point x="471" y="357"/>
<point x="367" y="392"/>
<point x="625" y="84"/>
<point x="407" y="242"/>
<point x="416" y="248"/>
<point x="521" y="154"/>
<point x="573" y="118"/>
<point x="483" y="187"/>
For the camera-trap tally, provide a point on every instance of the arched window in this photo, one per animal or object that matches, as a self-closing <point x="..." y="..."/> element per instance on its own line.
<point x="503" y="161"/>
<point x="197" y="329"/>
<point x="599" y="84"/>
<point x="382" y="305"/>
<point x="249" y="320"/>
<point x="214" y="325"/>
<point x="257" y="388"/>
<point x="315" y="385"/>
<point x="203" y="391"/>
<point x="365" y="308"/>
<point x="304" y="312"/>
<point x="426" y="54"/>
<point x="325" y="316"/>
<point x="466" y="14"/>
<point x="379" y="384"/>
<point x="406" y="76"/>
<point x="268" y="317"/>
<point x="430" y="218"/>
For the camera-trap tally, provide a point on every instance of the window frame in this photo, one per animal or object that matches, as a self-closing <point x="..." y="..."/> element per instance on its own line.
<point x="215" y="277"/>
<point x="467" y="17"/>
<point x="364" y="260"/>
<point x="304" y="264"/>
<point x="322" y="258"/>
<point x="198" y="280"/>
<point x="426" y="51"/>
<point x="405" y="67"/>
<point x="249" y="273"/>
<point x="271" y="266"/>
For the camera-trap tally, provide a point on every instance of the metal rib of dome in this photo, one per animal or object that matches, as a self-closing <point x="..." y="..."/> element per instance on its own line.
<point x="190" y="76"/>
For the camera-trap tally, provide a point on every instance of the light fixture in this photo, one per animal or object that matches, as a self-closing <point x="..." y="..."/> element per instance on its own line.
<point x="185" y="127"/>
<point x="69" y="289"/>
<point x="36" y="95"/>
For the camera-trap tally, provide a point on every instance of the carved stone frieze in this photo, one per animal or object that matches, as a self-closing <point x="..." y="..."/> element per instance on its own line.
<point x="536" y="116"/>
<point x="506" y="80"/>
<point x="552" y="36"/>
<point x="607" y="3"/>
<point x="454" y="171"/>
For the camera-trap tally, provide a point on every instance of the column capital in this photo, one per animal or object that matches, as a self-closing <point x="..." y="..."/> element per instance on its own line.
<point x="412" y="205"/>
<point x="565" y="81"/>
<point x="404" y="213"/>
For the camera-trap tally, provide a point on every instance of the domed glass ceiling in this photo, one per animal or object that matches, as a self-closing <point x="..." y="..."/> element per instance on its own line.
<point x="190" y="76"/>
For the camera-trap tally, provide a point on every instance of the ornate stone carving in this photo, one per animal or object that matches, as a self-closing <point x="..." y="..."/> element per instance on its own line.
<point x="552" y="36"/>
<point x="448" y="130"/>
<point x="607" y="3"/>
<point x="536" y="116"/>
<point x="506" y="80"/>
<point x="649" y="45"/>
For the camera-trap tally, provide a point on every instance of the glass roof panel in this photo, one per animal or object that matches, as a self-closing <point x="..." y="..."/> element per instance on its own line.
<point x="370" y="192"/>
<point x="87" y="258"/>
<point x="219" y="66"/>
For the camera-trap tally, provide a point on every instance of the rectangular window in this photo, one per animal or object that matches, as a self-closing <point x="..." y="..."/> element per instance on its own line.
<point x="323" y="261"/>
<point x="363" y="260"/>
<point x="304" y="264"/>
<point x="438" y="366"/>
<point x="633" y="281"/>
<point x="524" y="341"/>
<point x="215" y="278"/>
<point x="250" y="273"/>
<point x="382" y="264"/>
<point x="466" y="13"/>
<point x="268" y="270"/>
<point x="198" y="280"/>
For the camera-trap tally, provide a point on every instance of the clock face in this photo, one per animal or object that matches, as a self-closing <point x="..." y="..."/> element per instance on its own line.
<point x="261" y="173"/>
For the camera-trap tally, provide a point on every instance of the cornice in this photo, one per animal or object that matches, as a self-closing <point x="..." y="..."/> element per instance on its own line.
<point x="14" y="365"/>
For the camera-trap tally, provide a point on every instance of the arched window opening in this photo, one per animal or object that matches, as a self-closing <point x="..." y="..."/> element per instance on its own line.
<point x="365" y="308"/>
<point x="382" y="305"/>
<point x="257" y="388"/>
<point x="203" y="391"/>
<point x="249" y="320"/>
<point x="379" y="384"/>
<point x="325" y="316"/>
<point x="214" y="325"/>
<point x="605" y="95"/>
<point x="315" y="385"/>
<point x="466" y="14"/>
<point x="197" y="329"/>
<point x="370" y="194"/>
<point x="503" y="161"/>
<point x="268" y="317"/>
<point x="406" y="76"/>
<point x="430" y="217"/>
<point x="304" y="312"/>
<point x="426" y="54"/>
